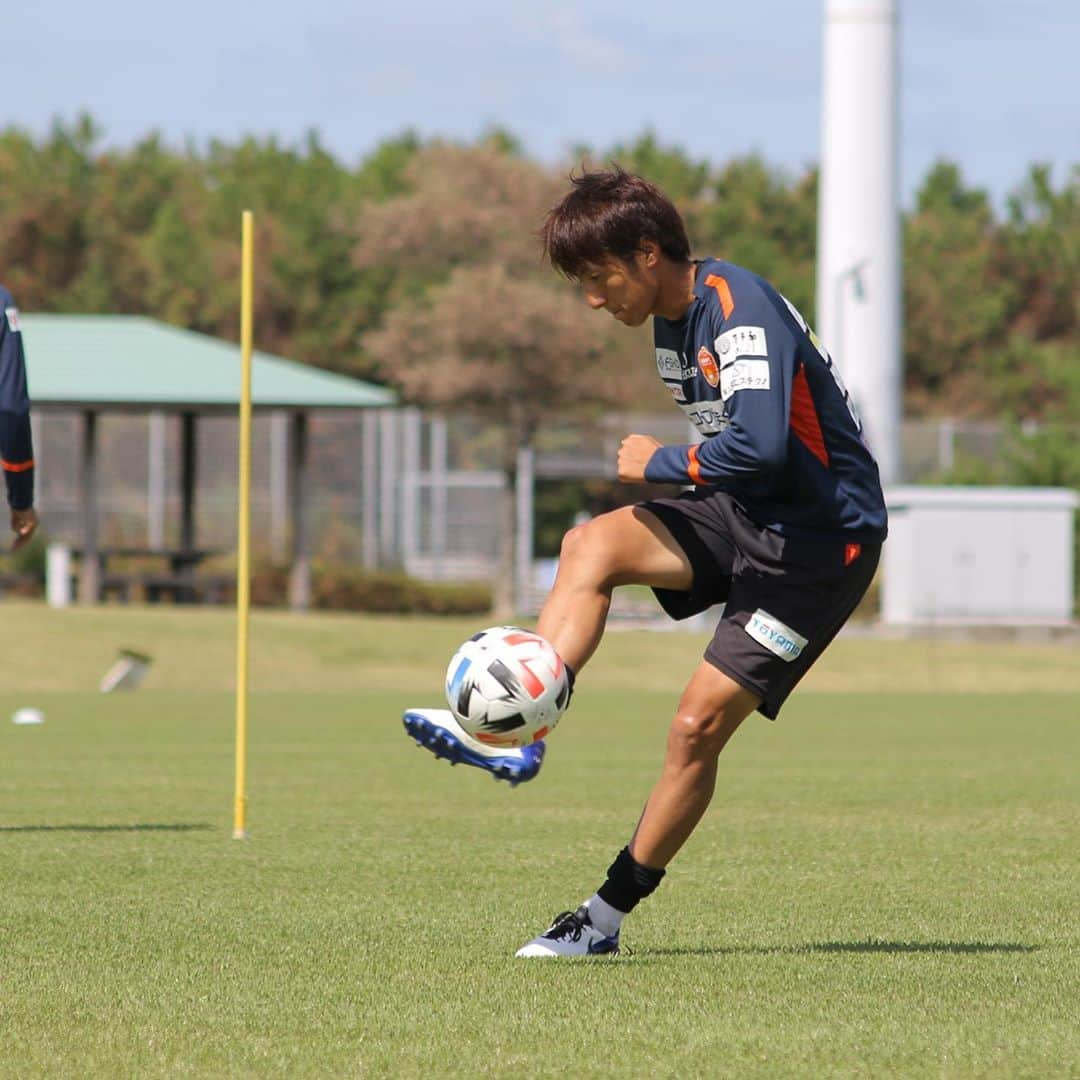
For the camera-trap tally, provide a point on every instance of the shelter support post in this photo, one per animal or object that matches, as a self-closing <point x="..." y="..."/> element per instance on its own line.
<point x="279" y="485"/>
<point x="188" y="465"/>
<point x="90" y="568"/>
<point x="300" y="575"/>
<point x="369" y="488"/>
<point x="155" y="479"/>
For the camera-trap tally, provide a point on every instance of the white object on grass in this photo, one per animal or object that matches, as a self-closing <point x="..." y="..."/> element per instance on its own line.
<point x="126" y="673"/>
<point x="28" y="715"/>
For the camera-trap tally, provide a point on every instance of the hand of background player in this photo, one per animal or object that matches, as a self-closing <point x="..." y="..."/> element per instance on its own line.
<point x="634" y="454"/>
<point x="24" y="524"/>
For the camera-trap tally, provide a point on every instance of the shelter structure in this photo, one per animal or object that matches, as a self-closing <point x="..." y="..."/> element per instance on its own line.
<point x="93" y="364"/>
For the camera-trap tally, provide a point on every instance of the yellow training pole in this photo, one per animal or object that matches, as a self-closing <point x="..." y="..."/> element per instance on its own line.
<point x="243" y="544"/>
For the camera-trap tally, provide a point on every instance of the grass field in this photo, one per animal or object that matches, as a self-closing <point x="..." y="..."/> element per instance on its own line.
<point x="886" y="884"/>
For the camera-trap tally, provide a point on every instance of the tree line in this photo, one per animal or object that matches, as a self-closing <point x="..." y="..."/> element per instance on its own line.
<point x="419" y="266"/>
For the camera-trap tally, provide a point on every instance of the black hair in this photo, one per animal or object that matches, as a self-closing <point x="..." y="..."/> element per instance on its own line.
<point x="609" y="213"/>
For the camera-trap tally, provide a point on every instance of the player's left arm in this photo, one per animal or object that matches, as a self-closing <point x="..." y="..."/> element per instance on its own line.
<point x="756" y="352"/>
<point x="16" y="442"/>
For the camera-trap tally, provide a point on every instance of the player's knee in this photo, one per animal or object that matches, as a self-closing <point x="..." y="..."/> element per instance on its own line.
<point x="696" y="734"/>
<point x="584" y="552"/>
<point x="573" y="542"/>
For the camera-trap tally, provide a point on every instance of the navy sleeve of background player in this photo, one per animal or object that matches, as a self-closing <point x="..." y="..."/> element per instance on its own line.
<point x="756" y="354"/>
<point x="16" y="445"/>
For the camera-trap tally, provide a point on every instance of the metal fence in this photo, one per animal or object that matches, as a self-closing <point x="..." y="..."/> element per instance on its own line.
<point x="389" y="488"/>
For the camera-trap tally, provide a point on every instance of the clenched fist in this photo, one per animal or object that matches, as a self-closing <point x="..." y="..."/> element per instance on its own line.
<point x="634" y="455"/>
<point x="24" y="524"/>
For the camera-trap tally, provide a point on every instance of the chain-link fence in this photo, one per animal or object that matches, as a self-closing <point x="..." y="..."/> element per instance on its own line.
<point x="386" y="488"/>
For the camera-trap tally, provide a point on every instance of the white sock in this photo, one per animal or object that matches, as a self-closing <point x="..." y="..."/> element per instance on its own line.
<point x="604" y="917"/>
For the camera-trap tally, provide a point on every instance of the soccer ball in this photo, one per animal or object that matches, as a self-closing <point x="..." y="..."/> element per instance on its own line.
<point x="507" y="686"/>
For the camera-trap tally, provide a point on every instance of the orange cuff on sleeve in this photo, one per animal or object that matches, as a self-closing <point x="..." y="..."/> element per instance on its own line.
<point x="692" y="466"/>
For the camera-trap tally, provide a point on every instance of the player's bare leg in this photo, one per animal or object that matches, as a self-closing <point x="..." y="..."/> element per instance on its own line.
<point x="711" y="709"/>
<point x="623" y="547"/>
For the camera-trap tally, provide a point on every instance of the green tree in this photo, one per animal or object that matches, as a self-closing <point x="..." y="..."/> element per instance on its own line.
<point x="1041" y="241"/>
<point x="671" y="168"/>
<point x="764" y="220"/>
<point x="382" y="174"/>
<point x="44" y="192"/>
<point x="956" y="301"/>
<point x="131" y="190"/>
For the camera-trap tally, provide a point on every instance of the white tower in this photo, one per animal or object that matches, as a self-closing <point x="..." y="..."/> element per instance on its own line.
<point x="858" y="255"/>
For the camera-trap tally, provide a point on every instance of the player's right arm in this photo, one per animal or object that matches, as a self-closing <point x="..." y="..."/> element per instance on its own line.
<point x="756" y="352"/>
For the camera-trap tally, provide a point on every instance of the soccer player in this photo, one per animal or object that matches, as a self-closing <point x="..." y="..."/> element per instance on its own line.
<point x="783" y="525"/>
<point x="16" y="446"/>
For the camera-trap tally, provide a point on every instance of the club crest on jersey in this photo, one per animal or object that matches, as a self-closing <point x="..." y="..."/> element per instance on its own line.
<point x="707" y="362"/>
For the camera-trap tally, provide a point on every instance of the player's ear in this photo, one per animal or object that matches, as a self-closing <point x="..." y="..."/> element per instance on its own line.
<point x="649" y="254"/>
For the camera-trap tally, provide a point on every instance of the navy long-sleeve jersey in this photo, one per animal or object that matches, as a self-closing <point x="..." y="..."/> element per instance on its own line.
<point x="781" y="434"/>
<point x="16" y="445"/>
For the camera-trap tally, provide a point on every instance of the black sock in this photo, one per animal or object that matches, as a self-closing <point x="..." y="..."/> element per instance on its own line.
<point x="628" y="882"/>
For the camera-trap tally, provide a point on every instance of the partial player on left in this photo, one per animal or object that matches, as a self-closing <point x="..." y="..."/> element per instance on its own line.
<point x="16" y="444"/>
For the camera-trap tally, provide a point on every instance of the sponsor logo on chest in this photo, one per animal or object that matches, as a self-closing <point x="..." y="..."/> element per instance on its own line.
<point x="707" y="420"/>
<point x="668" y="364"/>
<point x="673" y="367"/>
<point x="683" y="380"/>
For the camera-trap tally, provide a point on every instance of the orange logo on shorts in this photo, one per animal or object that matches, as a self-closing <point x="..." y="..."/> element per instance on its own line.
<point x="707" y="362"/>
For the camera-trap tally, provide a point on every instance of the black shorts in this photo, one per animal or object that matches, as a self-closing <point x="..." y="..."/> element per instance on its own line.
<point x="785" y="597"/>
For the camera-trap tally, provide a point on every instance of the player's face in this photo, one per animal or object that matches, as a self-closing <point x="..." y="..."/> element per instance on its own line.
<point x="627" y="290"/>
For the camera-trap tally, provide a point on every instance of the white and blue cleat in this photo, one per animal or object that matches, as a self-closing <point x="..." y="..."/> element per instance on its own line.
<point x="571" y="934"/>
<point x="437" y="730"/>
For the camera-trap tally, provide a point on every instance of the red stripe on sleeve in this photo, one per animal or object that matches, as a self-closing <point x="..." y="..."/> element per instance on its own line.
<point x="804" y="418"/>
<point x="17" y="466"/>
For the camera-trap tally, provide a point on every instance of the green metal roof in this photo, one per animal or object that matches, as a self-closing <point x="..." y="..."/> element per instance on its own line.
<point x="133" y="363"/>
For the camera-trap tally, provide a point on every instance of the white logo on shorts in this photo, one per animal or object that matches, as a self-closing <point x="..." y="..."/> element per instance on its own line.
<point x="775" y="636"/>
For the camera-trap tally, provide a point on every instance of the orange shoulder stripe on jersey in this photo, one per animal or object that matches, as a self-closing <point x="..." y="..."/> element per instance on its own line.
<point x="804" y="418"/>
<point x="693" y="469"/>
<point x="723" y="290"/>
<point x="17" y="466"/>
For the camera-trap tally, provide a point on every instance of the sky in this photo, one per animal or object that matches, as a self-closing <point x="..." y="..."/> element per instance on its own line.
<point x="991" y="92"/>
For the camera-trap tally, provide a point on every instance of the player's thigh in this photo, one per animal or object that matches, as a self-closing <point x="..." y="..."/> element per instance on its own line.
<point x="623" y="547"/>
